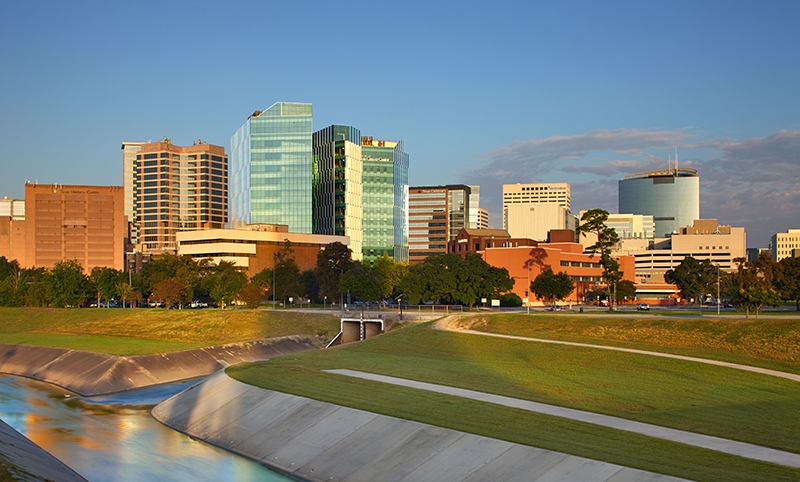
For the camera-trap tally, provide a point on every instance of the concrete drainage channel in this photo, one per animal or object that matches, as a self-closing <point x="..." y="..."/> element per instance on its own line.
<point x="357" y="329"/>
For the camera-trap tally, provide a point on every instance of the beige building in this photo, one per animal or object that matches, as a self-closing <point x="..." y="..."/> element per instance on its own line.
<point x="705" y="239"/>
<point x="251" y="247"/>
<point x="532" y="210"/>
<point x="483" y="219"/>
<point x="129" y="182"/>
<point x="12" y="229"/>
<point x="176" y="189"/>
<point x="86" y="223"/>
<point x="784" y="245"/>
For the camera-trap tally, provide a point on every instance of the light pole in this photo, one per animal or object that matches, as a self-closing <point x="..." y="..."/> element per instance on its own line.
<point x="717" y="289"/>
<point x="341" y="301"/>
<point x="325" y="304"/>
<point x="528" y="288"/>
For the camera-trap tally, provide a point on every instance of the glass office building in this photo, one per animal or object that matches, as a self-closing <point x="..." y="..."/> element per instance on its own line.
<point x="436" y="214"/>
<point x="337" y="181"/>
<point x="270" y="175"/>
<point x="671" y="196"/>
<point x="385" y="199"/>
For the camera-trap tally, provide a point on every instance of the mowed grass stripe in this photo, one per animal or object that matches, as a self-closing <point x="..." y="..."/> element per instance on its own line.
<point x="683" y="395"/>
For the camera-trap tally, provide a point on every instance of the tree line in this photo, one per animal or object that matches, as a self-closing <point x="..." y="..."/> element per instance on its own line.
<point x="753" y="285"/>
<point x="170" y="280"/>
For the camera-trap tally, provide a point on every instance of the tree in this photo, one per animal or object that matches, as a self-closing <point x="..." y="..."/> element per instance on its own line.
<point x="361" y="282"/>
<point x="252" y="295"/>
<point x="225" y="282"/>
<point x="694" y="278"/>
<point x="66" y="284"/>
<point x="594" y="222"/>
<point x="125" y="292"/>
<point x="626" y="290"/>
<point x="551" y="287"/>
<point x="104" y="281"/>
<point x="310" y="286"/>
<point x="788" y="280"/>
<point x="510" y="299"/>
<point x="750" y="287"/>
<point x="332" y="262"/>
<point x="169" y="291"/>
<point x="388" y="273"/>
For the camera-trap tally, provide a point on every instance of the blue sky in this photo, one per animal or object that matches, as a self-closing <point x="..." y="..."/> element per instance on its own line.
<point x="480" y="92"/>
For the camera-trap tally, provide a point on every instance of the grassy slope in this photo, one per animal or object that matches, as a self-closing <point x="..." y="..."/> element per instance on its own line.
<point x="683" y="395"/>
<point x="770" y="343"/>
<point x="147" y="331"/>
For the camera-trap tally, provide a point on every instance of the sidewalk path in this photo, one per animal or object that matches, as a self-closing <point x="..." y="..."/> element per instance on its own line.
<point x="705" y="441"/>
<point x="443" y="325"/>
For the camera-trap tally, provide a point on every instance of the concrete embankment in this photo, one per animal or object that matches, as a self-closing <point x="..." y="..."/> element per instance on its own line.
<point x="24" y="460"/>
<point x="318" y="441"/>
<point x="91" y="374"/>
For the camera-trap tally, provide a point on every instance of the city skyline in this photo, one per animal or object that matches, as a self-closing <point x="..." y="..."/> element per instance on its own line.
<point x="488" y="95"/>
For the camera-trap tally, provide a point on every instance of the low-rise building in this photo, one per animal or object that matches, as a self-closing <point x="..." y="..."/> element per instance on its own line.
<point x="12" y="229"/>
<point x="782" y="245"/>
<point x="252" y="247"/>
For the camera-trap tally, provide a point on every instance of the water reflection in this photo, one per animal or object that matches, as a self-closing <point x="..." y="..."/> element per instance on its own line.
<point x="114" y="438"/>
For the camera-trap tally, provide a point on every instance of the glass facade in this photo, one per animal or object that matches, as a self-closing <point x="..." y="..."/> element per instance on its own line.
<point x="385" y="199"/>
<point x="271" y="168"/>
<point x="673" y="199"/>
<point x="337" y="181"/>
<point x="436" y="214"/>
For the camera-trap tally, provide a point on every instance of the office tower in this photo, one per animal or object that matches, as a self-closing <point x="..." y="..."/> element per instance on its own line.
<point x="483" y="219"/>
<point x="271" y="168"/>
<point x="338" y="187"/>
<point x="178" y="189"/>
<point x="384" y="199"/>
<point x="532" y="210"/>
<point x="436" y="214"/>
<point x="86" y="223"/>
<point x="129" y="181"/>
<point x="785" y="245"/>
<point x="671" y="196"/>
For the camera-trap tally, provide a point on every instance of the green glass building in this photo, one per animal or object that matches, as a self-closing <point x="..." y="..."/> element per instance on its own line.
<point x="270" y="168"/>
<point x="337" y="181"/>
<point x="385" y="199"/>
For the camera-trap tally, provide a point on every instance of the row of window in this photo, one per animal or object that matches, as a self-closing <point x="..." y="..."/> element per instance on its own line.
<point x="580" y="264"/>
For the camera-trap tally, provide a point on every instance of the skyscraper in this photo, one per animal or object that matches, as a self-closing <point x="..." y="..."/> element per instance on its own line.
<point x="532" y="210"/>
<point x="385" y="199"/>
<point x="271" y="168"/>
<point x="436" y="214"/>
<point x="178" y="189"/>
<point x="671" y="196"/>
<point x="130" y="184"/>
<point x="338" y="185"/>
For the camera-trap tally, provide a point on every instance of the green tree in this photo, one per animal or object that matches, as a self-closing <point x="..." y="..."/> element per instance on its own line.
<point x="594" y="222"/>
<point x="104" y="282"/>
<point x="510" y="299"/>
<point x="694" y="278"/>
<point x="389" y="273"/>
<point x="788" y="280"/>
<point x="361" y="282"/>
<point x="125" y="292"/>
<point x="66" y="284"/>
<point x="225" y="283"/>
<point x="626" y="290"/>
<point x="310" y="286"/>
<point x="37" y="295"/>
<point x="551" y="287"/>
<point x="332" y="262"/>
<point x="750" y="288"/>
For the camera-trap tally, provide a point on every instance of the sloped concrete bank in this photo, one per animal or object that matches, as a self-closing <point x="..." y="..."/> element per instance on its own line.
<point x="318" y="441"/>
<point x="24" y="460"/>
<point x="90" y="374"/>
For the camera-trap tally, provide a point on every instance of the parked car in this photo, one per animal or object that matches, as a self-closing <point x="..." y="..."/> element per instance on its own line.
<point x="554" y="308"/>
<point x="642" y="307"/>
<point x="604" y="303"/>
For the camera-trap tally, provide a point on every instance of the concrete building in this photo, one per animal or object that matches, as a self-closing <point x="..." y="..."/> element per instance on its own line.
<point x="704" y="239"/>
<point x="483" y="219"/>
<point x="532" y="210"/>
<point x="671" y="196"/>
<point x="130" y="182"/>
<point x="782" y="245"/>
<point x="177" y="189"/>
<point x="252" y="247"/>
<point x="271" y="168"/>
<point x="338" y="185"/>
<point x="86" y="223"/>
<point x="12" y="229"/>
<point x="436" y="214"/>
<point x="385" y="199"/>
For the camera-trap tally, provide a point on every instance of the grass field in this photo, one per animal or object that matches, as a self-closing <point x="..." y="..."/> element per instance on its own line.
<point x="767" y="343"/>
<point x="145" y="331"/>
<point x="683" y="395"/>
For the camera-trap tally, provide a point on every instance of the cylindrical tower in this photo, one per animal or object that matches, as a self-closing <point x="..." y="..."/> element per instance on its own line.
<point x="671" y="196"/>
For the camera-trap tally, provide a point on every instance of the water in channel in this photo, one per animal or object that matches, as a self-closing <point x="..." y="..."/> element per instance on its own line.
<point x="115" y="439"/>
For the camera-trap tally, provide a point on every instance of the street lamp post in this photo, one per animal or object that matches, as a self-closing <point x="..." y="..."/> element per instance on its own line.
<point x="717" y="289"/>
<point x="274" y="268"/>
<point x="528" y="287"/>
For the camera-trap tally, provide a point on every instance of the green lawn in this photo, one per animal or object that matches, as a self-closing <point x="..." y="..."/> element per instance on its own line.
<point x="767" y="343"/>
<point x="683" y="395"/>
<point x="144" y="331"/>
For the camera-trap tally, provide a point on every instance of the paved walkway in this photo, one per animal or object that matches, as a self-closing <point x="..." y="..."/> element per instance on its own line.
<point x="705" y="441"/>
<point x="443" y="325"/>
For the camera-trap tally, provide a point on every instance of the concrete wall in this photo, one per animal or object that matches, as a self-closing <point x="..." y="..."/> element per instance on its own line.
<point x="25" y="460"/>
<point x="90" y="374"/>
<point x="319" y="441"/>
